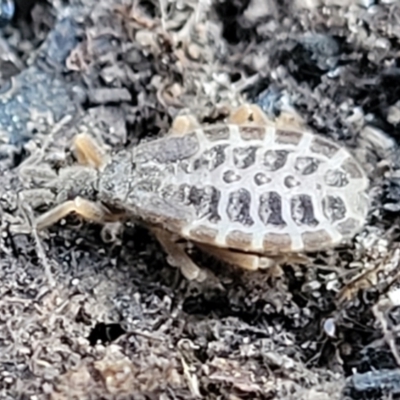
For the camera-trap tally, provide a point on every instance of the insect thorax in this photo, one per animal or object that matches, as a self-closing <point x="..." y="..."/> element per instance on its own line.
<point x="116" y="179"/>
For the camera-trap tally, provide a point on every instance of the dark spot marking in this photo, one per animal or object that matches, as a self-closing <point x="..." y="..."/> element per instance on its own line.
<point x="231" y="176"/>
<point x="252" y="132"/>
<point x="348" y="227"/>
<point x="270" y="209"/>
<point x="291" y="182"/>
<point x="186" y="166"/>
<point x="302" y="210"/>
<point x="205" y="200"/>
<point x="352" y="169"/>
<point x="244" y="157"/>
<point x="211" y="158"/>
<point x="261" y="179"/>
<point x="170" y="191"/>
<point x="277" y="243"/>
<point x="239" y="240"/>
<point x="183" y="194"/>
<point x="324" y="146"/>
<point x="288" y="137"/>
<point x="314" y="241"/>
<point x="334" y="208"/>
<point x="306" y="165"/>
<point x="336" y="178"/>
<point x="238" y="208"/>
<point x="203" y="234"/>
<point x="218" y="132"/>
<point x="275" y="159"/>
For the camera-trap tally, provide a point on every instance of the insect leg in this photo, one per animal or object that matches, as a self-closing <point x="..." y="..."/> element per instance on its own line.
<point x="250" y="262"/>
<point x="249" y="114"/>
<point x="183" y="124"/>
<point x="88" y="151"/>
<point x="243" y="260"/>
<point x="84" y="208"/>
<point x="177" y="256"/>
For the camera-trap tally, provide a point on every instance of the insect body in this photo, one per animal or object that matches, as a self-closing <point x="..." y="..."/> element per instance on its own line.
<point x="248" y="191"/>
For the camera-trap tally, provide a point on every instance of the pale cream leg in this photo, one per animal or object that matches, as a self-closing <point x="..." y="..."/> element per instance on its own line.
<point x="183" y="124"/>
<point x="247" y="261"/>
<point x="86" y="209"/>
<point x="249" y="114"/>
<point x="177" y="256"/>
<point x="88" y="151"/>
<point x="294" y="258"/>
<point x="252" y="114"/>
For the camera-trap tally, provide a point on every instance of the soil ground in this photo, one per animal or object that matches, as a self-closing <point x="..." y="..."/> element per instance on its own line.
<point x="84" y="319"/>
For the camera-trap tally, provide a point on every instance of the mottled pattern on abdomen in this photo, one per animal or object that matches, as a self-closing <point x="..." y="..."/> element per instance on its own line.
<point x="262" y="189"/>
